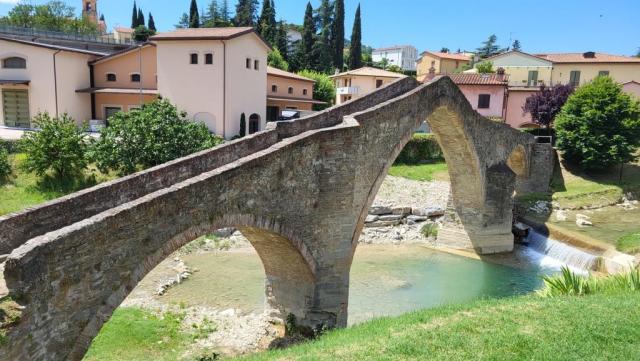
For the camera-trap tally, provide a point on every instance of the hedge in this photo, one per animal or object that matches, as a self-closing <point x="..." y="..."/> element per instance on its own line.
<point x="11" y="146"/>
<point x="422" y="148"/>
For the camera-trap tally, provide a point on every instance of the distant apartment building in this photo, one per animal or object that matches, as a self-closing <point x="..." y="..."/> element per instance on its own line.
<point x="403" y="56"/>
<point x="356" y="83"/>
<point x="443" y="63"/>
<point x="288" y="91"/>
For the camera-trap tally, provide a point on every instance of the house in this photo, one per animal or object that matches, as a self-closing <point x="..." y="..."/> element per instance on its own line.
<point x="36" y="77"/>
<point x="287" y="90"/>
<point x="443" y="63"/>
<point x="123" y="34"/>
<point x="580" y="68"/>
<point x="487" y="93"/>
<point x="632" y="87"/>
<point x="359" y="82"/>
<point x="403" y="56"/>
<point x="524" y="70"/>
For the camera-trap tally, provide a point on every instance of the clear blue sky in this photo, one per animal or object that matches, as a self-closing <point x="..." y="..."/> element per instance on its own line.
<point x="541" y="25"/>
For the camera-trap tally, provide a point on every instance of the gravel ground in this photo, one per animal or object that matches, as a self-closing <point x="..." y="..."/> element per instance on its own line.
<point x="402" y="192"/>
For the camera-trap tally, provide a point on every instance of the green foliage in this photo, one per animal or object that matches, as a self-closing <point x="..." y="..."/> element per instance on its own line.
<point x="305" y="51"/>
<point x="266" y="25"/>
<point x="152" y="24"/>
<point x="194" y="15"/>
<point x="422" y="148"/>
<point x="323" y="45"/>
<point x="355" y="50"/>
<point x="52" y="16"/>
<point x="142" y="33"/>
<point x="485" y="67"/>
<point x="246" y="13"/>
<point x="337" y="34"/>
<point x="146" y="137"/>
<point x="183" y="22"/>
<point x="570" y="284"/>
<point x="323" y="89"/>
<point x="134" y="16"/>
<point x="430" y="230"/>
<point x="282" y="43"/>
<point x="5" y="166"/>
<point x="243" y="125"/>
<point x="276" y="60"/>
<point x="629" y="243"/>
<point x="58" y="146"/>
<point x="599" y="125"/>
<point x="421" y="172"/>
<point x="489" y="47"/>
<point x="516" y="45"/>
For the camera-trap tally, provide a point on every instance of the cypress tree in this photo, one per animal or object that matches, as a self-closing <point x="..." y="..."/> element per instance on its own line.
<point x="141" y="21"/>
<point x="134" y="16"/>
<point x="266" y="25"/>
<point x="306" y="47"/>
<point x="194" y="15"/>
<point x="281" y="40"/>
<point x="243" y="125"/>
<point x="152" y="24"/>
<point x="338" y="34"/>
<point x="323" y="51"/>
<point x="355" y="58"/>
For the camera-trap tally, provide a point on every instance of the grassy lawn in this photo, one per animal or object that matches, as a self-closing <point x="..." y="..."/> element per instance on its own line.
<point x="421" y="172"/>
<point x="629" y="243"/>
<point x="598" y="327"/>
<point x="26" y="189"/>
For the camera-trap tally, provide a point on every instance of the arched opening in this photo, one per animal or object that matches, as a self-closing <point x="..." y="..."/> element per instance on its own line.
<point x="14" y="62"/>
<point x="254" y="123"/>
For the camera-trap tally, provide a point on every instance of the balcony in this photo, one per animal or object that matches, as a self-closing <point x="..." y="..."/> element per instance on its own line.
<point x="348" y="90"/>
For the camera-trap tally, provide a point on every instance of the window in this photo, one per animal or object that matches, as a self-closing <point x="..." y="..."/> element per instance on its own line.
<point x="533" y="78"/>
<point x="304" y="91"/>
<point x="109" y="111"/>
<point x="274" y="88"/>
<point x="135" y="78"/>
<point x="378" y="83"/>
<point x="603" y="73"/>
<point x="15" y="104"/>
<point x="248" y="63"/>
<point x="194" y="59"/>
<point x="290" y="91"/>
<point x="14" y="63"/>
<point x="208" y="58"/>
<point x="254" y="123"/>
<point x="483" y="101"/>
<point x="111" y="77"/>
<point x="574" y="78"/>
<point x="256" y="64"/>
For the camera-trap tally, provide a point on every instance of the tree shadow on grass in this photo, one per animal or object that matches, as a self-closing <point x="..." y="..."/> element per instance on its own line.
<point x="58" y="186"/>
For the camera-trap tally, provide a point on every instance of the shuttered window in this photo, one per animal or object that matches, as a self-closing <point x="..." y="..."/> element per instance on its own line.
<point x="574" y="78"/>
<point x="484" y="100"/>
<point x="15" y="104"/>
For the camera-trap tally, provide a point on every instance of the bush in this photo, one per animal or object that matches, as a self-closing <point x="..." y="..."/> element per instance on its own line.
<point x="58" y="146"/>
<point x="599" y="125"/>
<point x="11" y="146"/>
<point x="323" y="89"/>
<point x="430" y="230"/>
<point x="570" y="284"/>
<point x="5" y="166"/>
<point x="422" y="148"/>
<point x="146" y="137"/>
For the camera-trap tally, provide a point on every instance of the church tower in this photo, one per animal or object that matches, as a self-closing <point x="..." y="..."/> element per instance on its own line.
<point x="90" y="10"/>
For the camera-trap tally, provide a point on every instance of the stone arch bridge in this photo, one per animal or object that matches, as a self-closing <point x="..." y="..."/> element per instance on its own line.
<point x="299" y="191"/>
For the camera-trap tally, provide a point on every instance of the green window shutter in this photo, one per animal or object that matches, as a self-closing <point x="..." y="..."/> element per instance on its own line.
<point x="574" y="78"/>
<point x="15" y="104"/>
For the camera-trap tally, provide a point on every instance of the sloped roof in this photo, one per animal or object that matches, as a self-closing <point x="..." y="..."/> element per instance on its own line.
<point x="479" y="79"/>
<point x="203" y="33"/>
<point x="441" y="55"/>
<point x="580" y="58"/>
<point x="53" y="47"/>
<point x="394" y="47"/>
<point x="534" y="58"/>
<point x="369" y="71"/>
<point x="285" y="74"/>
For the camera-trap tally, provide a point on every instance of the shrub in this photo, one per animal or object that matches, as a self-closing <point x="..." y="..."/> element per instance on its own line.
<point x="599" y="125"/>
<point x="11" y="146"/>
<point x="570" y="284"/>
<point x="547" y="103"/>
<point x="430" y="230"/>
<point x="276" y="60"/>
<point x="243" y="126"/>
<point x="422" y="148"/>
<point x="155" y="134"/>
<point x="485" y="67"/>
<point x="323" y="89"/>
<point x="5" y="166"/>
<point x="58" y="146"/>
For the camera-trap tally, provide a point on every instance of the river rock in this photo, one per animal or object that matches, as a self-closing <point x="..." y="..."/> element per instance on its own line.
<point x="582" y="222"/>
<point x="380" y="210"/>
<point x="402" y="211"/>
<point x="224" y="232"/>
<point x="561" y="216"/>
<point x="428" y="212"/>
<point x="371" y="218"/>
<point x="382" y="224"/>
<point x="417" y="219"/>
<point x="391" y="217"/>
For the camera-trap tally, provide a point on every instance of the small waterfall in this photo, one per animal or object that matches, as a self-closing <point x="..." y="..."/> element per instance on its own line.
<point x="561" y="253"/>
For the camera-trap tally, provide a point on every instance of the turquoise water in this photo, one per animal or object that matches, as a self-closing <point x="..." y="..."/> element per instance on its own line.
<point x="385" y="280"/>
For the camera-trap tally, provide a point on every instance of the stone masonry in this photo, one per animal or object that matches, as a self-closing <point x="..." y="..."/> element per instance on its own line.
<point x="299" y="191"/>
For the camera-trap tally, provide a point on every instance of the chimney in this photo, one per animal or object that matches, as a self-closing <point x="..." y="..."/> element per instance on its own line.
<point x="500" y="73"/>
<point x="589" y="55"/>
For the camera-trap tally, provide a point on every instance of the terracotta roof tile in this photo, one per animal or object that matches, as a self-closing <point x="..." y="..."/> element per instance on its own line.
<point x="438" y="54"/>
<point x="479" y="79"/>
<point x="286" y="74"/>
<point x="580" y="58"/>
<point x="203" y="33"/>
<point x="368" y="71"/>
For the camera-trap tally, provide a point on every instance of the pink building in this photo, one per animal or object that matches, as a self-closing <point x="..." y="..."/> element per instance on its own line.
<point x="487" y="93"/>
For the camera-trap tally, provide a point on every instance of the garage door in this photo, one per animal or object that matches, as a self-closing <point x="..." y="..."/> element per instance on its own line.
<point x="15" y="104"/>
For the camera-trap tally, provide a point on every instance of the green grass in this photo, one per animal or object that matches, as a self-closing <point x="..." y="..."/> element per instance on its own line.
<point x="24" y="190"/>
<point x="421" y="172"/>
<point x="629" y="243"/>
<point x="597" y="327"/>
<point x="136" y="334"/>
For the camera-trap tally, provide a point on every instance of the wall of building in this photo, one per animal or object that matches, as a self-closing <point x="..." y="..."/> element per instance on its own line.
<point x="142" y="61"/>
<point x="496" y="103"/>
<point x="632" y="88"/>
<point x="365" y="85"/>
<point x="125" y="101"/>
<point x="515" y="102"/>
<point x="519" y="75"/>
<point x="283" y="85"/>
<point x="72" y="74"/>
<point x="284" y="105"/>
<point x="442" y="66"/>
<point x="621" y="73"/>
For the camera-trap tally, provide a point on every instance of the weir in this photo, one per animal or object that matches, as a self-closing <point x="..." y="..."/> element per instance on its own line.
<point x="562" y="252"/>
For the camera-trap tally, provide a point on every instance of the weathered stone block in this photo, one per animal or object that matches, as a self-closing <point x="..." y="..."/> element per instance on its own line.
<point x="380" y="210"/>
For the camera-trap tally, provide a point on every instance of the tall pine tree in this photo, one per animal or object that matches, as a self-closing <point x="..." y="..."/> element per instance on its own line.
<point x="516" y="45"/>
<point x="141" y="21"/>
<point x="246" y="13"/>
<point x="355" y="51"/>
<point x="224" y="12"/>
<point x="306" y="47"/>
<point x="266" y="25"/>
<point x="134" y="16"/>
<point x="323" y="48"/>
<point x="152" y="24"/>
<point x="281" y="40"/>
<point x="194" y="15"/>
<point x="210" y="16"/>
<point x="337" y="34"/>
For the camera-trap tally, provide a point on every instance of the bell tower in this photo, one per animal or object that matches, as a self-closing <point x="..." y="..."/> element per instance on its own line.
<point x="90" y="10"/>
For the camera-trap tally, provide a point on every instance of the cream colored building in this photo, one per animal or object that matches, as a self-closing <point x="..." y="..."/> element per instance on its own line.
<point x="288" y="91"/>
<point x="443" y="63"/>
<point x="37" y="78"/>
<point x="581" y="68"/>
<point x="359" y="82"/>
<point x="524" y="70"/>
<point x="215" y="75"/>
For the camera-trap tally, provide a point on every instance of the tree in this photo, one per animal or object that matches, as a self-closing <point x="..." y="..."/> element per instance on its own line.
<point x="194" y="15"/>
<point x="306" y="47"/>
<point x="489" y="47"/>
<point x="282" y="43"/>
<point x="5" y="166"/>
<point x="355" y="51"/>
<point x="323" y="88"/>
<point x="211" y="16"/>
<point x="547" y="103"/>
<point x="276" y="60"/>
<point x="516" y="45"/>
<point x="134" y="16"/>
<point x="153" y="135"/>
<point x="142" y="33"/>
<point x="243" y="126"/>
<point x="337" y="34"/>
<point x="152" y="24"/>
<point x="444" y="50"/>
<point x="183" y="22"/>
<point x="485" y="67"/>
<point x="51" y="16"/>
<point x="141" y="21"/>
<point x="246" y="13"/>
<point x="59" y="146"/>
<point x="599" y="125"/>
<point x="323" y="51"/>
<point x="224" y="13"/>
<point x="266" y="25"/>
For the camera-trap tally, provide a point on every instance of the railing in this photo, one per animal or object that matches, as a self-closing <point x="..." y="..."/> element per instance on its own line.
<point x="347" y="90"/>
<point x="92" y="38"/>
